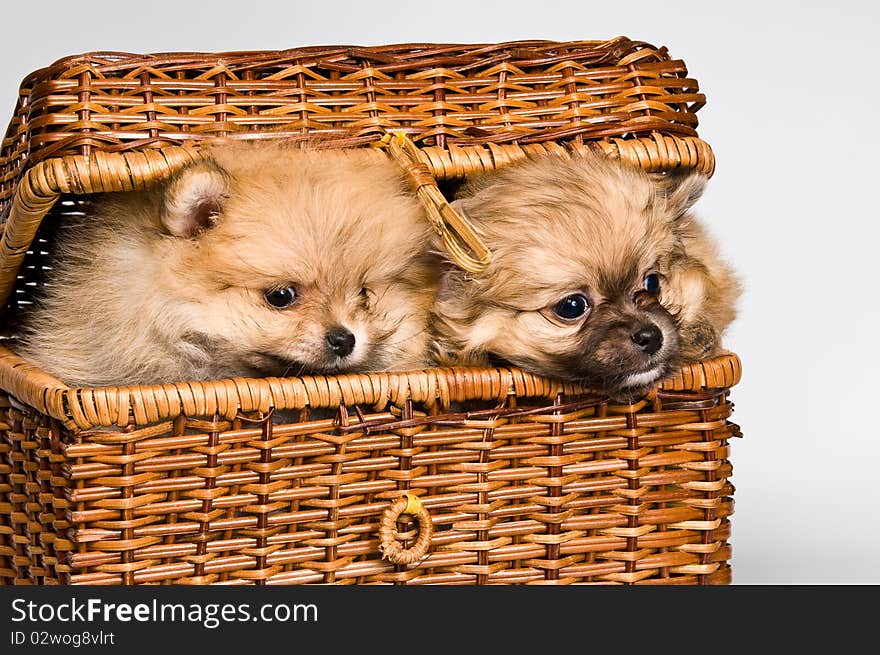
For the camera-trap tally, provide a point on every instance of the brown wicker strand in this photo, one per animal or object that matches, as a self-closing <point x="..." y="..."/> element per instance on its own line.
<point x="458" y="235"/>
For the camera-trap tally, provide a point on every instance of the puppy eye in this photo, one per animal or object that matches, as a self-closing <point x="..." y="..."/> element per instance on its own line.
<point x="652" y="284"/>
<point x="280" y="298"/>
<point x="572" y="307"/>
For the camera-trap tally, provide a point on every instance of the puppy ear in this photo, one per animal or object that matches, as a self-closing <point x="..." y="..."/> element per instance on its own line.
<point x="194" y="198"/>
<point x="681" y="188"/>
<point x="451" y="282"/>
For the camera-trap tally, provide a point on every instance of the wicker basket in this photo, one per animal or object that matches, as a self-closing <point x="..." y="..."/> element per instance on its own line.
<point x="193" y="483"/>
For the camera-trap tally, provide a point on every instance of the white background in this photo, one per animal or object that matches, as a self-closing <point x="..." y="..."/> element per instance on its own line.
<point x="792" y="116"/>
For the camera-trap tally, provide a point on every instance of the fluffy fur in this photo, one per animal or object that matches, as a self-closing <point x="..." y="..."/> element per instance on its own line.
<point x="594" y="227"/>
<point x="169" y="284"/>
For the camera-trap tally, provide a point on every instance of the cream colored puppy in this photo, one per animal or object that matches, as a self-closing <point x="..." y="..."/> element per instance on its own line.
<point x="600" y="273"/>
<point x="258" y="260"/>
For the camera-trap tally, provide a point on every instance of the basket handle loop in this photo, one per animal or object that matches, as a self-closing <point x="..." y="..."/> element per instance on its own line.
<point x="388" y="543"/>
<point x="459" y="237"/>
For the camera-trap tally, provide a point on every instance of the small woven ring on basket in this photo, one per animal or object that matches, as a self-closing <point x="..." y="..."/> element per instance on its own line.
<point x="388" y="543"/>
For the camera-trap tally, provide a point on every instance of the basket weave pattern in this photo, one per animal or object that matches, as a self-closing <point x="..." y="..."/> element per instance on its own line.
<point x="530" y="491"/>
<point x="519" y="93"/>
<point x="522" y="479"/>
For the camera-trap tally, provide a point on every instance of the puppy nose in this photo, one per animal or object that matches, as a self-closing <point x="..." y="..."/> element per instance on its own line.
<point x="648" y="339"/>
<point x="341" y="341"/>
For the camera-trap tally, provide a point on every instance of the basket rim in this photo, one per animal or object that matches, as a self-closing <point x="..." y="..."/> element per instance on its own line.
<point x="84" y="408"/>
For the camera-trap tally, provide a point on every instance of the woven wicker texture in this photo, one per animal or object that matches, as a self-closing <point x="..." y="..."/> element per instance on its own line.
<point x="528" y="490"/>
<point x="523" y="479"/>
<point x="527" y="92"/>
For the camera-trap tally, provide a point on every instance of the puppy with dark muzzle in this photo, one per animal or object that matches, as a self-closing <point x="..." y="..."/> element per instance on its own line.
<point x="257" y="260"/>
<point x="599" y="274"/>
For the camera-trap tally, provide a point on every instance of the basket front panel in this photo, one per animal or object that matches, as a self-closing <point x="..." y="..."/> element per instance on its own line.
<point x="34" y="492"/>
<point x="572" y="492"/>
